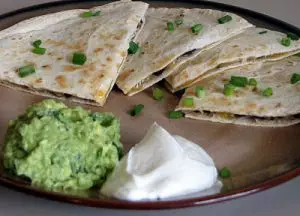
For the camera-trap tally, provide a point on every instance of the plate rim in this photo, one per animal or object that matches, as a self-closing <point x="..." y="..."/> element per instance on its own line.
<point x="148" y="205"/>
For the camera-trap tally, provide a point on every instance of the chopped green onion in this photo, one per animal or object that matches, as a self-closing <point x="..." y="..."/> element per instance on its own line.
<point x="263" y="32"/>
<point x="175" y="114"/>
<point x="196" y="28"/>
<point x="39" y="50"/>
<point x="133" y="48"/>
<point x="26" y="70"/>
<point x="239" y="81"/>
<point x="137" y="109"/>
<point x="158" y="94"/>
<point x="188" y="102"/>
<point x="298" y="54"/>
<point x="295" y="78"/>
<point x="268" y="92"/>
<point x="286" y="42"/>
<point x="224" y="19"/>
<point x="178" y="21"/>
<point x="88" y="14"/>
<point x="200" y="91"/>
<point x="252" y="82"/>
<point x="79" y="58"/>
<point x="224" y="173"/>
<point x="292" y="36"/>
<point x="37" y="43"/>
<point x="228" y="89"/>
<point x="170" y="26"/>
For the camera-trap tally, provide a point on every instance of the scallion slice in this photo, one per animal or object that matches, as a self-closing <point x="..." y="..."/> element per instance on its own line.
<point x="292" y="36"/>
<point x="224" y="173"/>
<point x="137" y="109"/>
<point x="158" y="94"/>
<point x="286" y="42"/>
<point x="79" y="58"/>
<point x="268" y="92"/>
<point x="37" y="43"/>
<point x="178" y="21"/>
<point x="175" y="114"/>
<point x="224" y="19"/>
<point x="263" y="32"/>
<point x="228" y="89"/>
<point x="133" y="47"/>
<point x="252" y="82"/>
<point x="26" y="70"/>
<point x="170" y="26"/>
<point x="295" y="78"/>
<point x="196" y="28"/>
<point x="188" y="102"/>
<point x="200" y="91"/>
<point x="39" y="50"/>
<point x="298" y="54"/>
<point x="239" y="81"/>
<point x="88" y="14"/>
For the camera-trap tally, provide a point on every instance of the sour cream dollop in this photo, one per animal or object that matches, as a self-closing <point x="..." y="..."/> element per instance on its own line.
<point x="161" y="166"/>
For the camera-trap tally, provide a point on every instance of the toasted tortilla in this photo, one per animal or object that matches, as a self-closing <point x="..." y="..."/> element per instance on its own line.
<point x="253" y="45"/>
<point x="247" y="105"/>
<point x="159" y="47"/>
<point x="104" y="39"/>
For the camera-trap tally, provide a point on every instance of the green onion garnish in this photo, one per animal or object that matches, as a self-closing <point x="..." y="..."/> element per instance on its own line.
<point x="224" y="173"/>
<point x="133" y="48"/>
<point x="239" y="81"/>
<point x="263" y="32"/>
<point x="295" y="78"/>
<point x="26" y="70"/>
<point x="268" y="92"/>
<point x="292" y="36"/>
<point x="170" y="26"/>
<point x="90" y="14"/>
<point x="39" y="50"/>
<point x="137" y="109"/>
<point x="158" y="94"/>
<point x="298" y="54"/>
<point x="196" y="28"/>
<point x="228" y="89"/>
<point x="79" y="58"/>
<point x="188" y="102"/>
<point x="175" y="114"/>
<point x="224" y="19"/>
<point x="37" y="43"/>
<point x="178" y="21"/>
<point x="200" y="91"/>
<point x="252" y="82"/>
<point x="286" y="42"/>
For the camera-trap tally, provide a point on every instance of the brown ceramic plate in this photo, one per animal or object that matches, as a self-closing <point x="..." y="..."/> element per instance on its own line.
<point x="259" y="158"/>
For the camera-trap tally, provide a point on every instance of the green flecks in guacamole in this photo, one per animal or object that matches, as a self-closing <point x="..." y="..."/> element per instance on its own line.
<point x="62" y="148"/>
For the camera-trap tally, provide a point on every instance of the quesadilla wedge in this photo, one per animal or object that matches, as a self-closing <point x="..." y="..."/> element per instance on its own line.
<point x="253" y="45"/>
<point x="269" y="95"/>
<point x="73" y="54"/>
<point x="170" y="33"/>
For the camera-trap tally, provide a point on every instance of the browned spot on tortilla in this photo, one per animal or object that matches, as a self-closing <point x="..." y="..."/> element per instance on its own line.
<point x="99" y="49"/>
<point x="62" y="81"/>
<point x="297" y="87"/>
<point x="103" y="65"/>
<point x="59" y="58"/>
<point x="212" y="61"/>
<point x="38" y="81"/>
<point x="110" y="46"/>
<point x="235" y="46"/>
<point x="70" y="68"/>
<point x="47" y="67"/>
<point x="82" y="81"/>
<point x="55" y="43"/>
<point x="278" y="105"/>
<point x="29" y="63"/>
<point x="118" y="37"/>
<point x="50" y="53"/>
<point x="124" y="75"/>
<point x="123" y="53"/>
<point x="108" y="58"/>
<point x="251" y="106"/>
<point x="262" y="109"/>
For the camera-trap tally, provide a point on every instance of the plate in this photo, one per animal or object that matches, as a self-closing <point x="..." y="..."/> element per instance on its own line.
<point x="259" y="158"/>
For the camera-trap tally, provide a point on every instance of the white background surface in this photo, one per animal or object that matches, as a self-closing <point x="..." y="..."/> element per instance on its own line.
<point x="282" y="200"/>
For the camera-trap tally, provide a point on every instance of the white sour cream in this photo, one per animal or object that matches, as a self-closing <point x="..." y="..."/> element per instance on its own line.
<point x="161" y="166"/>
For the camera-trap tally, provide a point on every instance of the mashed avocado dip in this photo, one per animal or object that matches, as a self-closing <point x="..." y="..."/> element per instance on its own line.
<point x="57" y="147"/>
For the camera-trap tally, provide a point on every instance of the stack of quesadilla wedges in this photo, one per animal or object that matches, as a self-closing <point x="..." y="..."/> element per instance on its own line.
<point x="161" y="44"/>
<point x="253" y="45"/>
<point x="271" y="100"/>
<point x="75" y="54"/>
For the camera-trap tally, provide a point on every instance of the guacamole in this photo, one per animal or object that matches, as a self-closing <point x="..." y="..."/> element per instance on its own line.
<point x="61" y="148"/>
